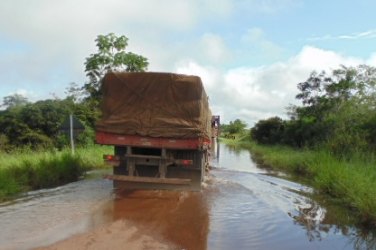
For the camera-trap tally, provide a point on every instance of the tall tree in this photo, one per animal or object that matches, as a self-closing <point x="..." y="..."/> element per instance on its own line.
<point x="111" y="56"/>
<point x="14" y="101"/>
<point x="338" y="108"/>
<point x="74" y="92"/>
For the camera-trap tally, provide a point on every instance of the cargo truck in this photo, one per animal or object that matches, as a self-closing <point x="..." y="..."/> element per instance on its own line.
<point x="161" y="128"/>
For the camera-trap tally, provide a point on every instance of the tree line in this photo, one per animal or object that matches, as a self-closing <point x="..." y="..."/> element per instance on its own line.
<point x="337" y="113"/>
<point x="37" y="124"/>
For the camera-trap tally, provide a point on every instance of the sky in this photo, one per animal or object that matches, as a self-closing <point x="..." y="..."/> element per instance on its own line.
<point x="250" y="54"/>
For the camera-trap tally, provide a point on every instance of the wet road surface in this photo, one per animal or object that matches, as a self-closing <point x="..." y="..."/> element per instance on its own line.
<point x="241" y="206"/>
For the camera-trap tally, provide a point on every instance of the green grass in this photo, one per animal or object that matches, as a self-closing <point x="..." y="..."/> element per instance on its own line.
<point x="350" y="182"/>
<point x="25" y="170"/>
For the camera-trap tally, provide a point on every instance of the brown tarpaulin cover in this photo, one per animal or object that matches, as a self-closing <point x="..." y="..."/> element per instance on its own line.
<point x="154" y="104"/>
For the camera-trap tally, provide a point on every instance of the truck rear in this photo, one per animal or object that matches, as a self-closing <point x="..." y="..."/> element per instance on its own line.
<point x="160" y="126"/>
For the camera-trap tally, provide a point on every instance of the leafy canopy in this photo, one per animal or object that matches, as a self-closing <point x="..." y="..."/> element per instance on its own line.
<point x="111" y="56"/>
<point x="15" y="100"/>
<point x="234" y="127"/>
<point x="338" y="111"/>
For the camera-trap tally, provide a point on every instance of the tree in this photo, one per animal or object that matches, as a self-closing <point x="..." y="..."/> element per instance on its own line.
<point x="111" y="56"/>
<point x="34" y="124"/>
<point x="45" y="116"/>
<point x="269" y="131"/>
<point x="12" y="126"/>
<point x="234" y="127"/>
<point x="74" y="92"/>
<point x="311" y="89"/>
<point x="15" y="100"/>
<point x="338" y="110"/>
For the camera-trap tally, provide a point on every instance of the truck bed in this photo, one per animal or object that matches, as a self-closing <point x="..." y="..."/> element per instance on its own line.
<point x="159" y="105"/>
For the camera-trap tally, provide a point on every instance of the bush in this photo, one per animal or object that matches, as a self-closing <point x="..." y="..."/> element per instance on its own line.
<point x="36" y="140"/>
<point x="268" y="131"/>
<point x="4" y="143"/>
<point x="26" y="169"/>
<point x="86" y="138"/>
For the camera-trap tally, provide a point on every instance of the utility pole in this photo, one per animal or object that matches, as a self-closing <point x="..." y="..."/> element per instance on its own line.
<point x="71" y="132"/>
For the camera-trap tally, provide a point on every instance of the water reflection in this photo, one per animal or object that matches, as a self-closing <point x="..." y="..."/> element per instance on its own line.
<point x="311" y="217"/>
<point x="45" y="216"/>
<point x="364" y="240"/>
<point x="234" y="149"/>
<point x="325" y="224"/>
<point x="178" y="217"/>
<point x="320" y="222"/>
<point x="215" y="151"/>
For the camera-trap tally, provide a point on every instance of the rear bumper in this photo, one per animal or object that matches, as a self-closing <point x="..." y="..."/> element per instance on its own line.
<point x="176" y="181"/>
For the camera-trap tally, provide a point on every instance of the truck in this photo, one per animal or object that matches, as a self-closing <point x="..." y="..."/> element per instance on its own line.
<point x="161" y="128"/>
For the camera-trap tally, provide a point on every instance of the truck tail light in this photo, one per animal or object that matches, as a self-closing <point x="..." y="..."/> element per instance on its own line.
<point x="108" y="157"/>
<point x="184" y="163"/>
<point x="113" y="160"/>
<point x="187" y="162"/>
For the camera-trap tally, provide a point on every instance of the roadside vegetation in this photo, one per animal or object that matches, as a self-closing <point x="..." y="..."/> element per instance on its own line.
<point x="34" y="146"/>
<point x="329" y="141"/>
<point x="25" y="169"/>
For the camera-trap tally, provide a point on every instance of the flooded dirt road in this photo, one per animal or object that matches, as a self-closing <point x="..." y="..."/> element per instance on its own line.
<point x="241" y="206"/>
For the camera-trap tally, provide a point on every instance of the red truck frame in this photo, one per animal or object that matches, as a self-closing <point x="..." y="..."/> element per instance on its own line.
<point x="143" y="162"/>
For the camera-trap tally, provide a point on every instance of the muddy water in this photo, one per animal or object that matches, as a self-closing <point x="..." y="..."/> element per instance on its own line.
<point x="44" y="217"/>
<point x="258" y="209"/>
<point x="241" y="206"/>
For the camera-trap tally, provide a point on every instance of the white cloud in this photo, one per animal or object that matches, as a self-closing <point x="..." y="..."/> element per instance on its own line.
<point x="218" y="7"/>
<point x="209" y="75"/>
<point x="267" y="6"/>
<point x="24" y="92"/>
<point x="60" y="34"/>
<point x="214" y="49"/>
<point x="254" y="93"/>
<point x="319" y="59"/>
<point x="50" y="17"/>
<point x="63" y="32"/>
<point x="372" y="60"/>
<point x="256" y="41"/>
<point x="30" y="95"/>
<point x="369" y="34"/>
